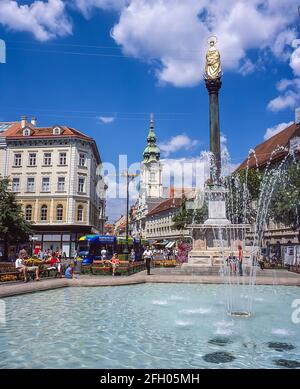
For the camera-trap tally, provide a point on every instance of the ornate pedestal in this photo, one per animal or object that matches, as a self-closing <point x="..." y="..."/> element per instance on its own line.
<point x="217" y="237"/>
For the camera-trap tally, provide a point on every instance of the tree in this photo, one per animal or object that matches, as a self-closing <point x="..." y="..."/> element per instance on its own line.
<point x="285" y="205"/>
<point x="13" y="227"/>
<point x="186" y="216"/>
<point x="243" y="192"/>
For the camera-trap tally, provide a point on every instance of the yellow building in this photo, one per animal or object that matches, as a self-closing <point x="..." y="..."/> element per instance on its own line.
<point x="55" y="173"/>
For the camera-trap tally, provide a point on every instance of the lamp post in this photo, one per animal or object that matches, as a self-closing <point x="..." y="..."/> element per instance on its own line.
<point x="129" y="177"/>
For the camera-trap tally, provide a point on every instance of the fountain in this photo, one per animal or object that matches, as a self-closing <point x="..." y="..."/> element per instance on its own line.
<point x="218" y="239"/>
<point x="217" y="231"/>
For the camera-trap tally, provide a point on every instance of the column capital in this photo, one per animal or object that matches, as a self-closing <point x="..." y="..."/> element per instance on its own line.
<point x="213" y="85"/>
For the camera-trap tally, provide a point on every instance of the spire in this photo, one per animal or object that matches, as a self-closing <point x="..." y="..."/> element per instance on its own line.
<point x="151" y="152"/>
<point x="151" y="136"/>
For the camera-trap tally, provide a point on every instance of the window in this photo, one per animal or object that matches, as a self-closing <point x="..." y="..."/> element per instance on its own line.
<point x="152" y="177"/>
<point x="30" y="184"/>
<point x="28" y="212"/>
<point x="62" y="158"/>
<point x="44" y="212"/>
<point x="59" y="212"/>
<point x="80" y="213"/>
<point x="81" y="185"/>
<point x="16" y="184"/>
<point x="32" y="159"/>
<point x="47" y="159"/>
<point x="61" y="184"/>
<point x="45" y="184"/>
<point x="56" y="131"/>
<point x="82" y="159"/>
<point x="26" y="132"/>
<point x="18" y="160"/>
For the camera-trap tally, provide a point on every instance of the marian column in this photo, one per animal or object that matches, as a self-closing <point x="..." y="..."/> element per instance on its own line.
<point x="212" y="77"/>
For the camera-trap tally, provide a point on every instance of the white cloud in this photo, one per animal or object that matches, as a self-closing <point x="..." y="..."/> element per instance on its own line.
<point x="289" y="89"/>
<point x="177" y="143"/>
<point x="295" y="61"/>
<point x="175" y="33"/>
<point x="106" y="119"/>
<point x="45" y="20"/>
<point x="289" y="97"/>
<point x="87" y="6"/>
<point x="247" y="67"/>
<point x="288" y="100"/>
<point x="276" y="129"/>
<point x="172" y="34"/>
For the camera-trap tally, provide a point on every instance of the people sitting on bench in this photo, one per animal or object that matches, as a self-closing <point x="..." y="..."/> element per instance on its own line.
<point x="23" y="269"/>
<point x="54" y="263"/>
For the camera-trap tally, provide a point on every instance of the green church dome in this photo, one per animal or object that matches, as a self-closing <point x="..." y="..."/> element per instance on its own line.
<point x="152" y="151"/>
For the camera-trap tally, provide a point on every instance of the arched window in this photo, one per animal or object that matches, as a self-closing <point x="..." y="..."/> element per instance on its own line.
<point x="26" y="132"/>
<point x="44" y="212"/>
<point x="59" y="212"/>
<point x="80" y="213"/>
<point x="28" y="212"/>
<point x="56" y="131"/>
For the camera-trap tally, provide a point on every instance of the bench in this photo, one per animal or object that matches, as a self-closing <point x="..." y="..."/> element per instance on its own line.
<point x="13" y="275"/>
<point x="10" y="276"/>
<point x="125" y="268"/>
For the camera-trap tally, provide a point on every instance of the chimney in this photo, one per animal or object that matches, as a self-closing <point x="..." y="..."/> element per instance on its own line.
<point x="23" y="121"/>
<point x="33" y="121"/>
<point x="297" y="115"/>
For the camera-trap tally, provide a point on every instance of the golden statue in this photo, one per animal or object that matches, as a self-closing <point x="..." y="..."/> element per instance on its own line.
<point x="213" y="68"/>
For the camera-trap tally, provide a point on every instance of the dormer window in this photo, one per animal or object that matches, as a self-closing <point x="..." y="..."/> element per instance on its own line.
<point x="26" y="132"/>
<point x="56" y="131"/>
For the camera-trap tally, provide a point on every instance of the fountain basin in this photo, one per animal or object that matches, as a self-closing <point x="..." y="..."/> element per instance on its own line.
<point x="148" y="326"/>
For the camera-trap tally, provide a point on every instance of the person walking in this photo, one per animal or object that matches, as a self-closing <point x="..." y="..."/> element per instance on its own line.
<point x="132" y="255"/>
<point x="240" y="260"/>
<point x="148" y="255"/>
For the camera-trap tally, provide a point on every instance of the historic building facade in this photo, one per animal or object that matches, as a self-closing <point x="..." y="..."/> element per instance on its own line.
<point x="151" y="186"/>
<point x="55" y="173"/>
<point x="159" y="221"/>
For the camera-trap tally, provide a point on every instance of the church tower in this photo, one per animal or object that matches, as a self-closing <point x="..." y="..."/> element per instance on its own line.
<point x="151" y="168"/>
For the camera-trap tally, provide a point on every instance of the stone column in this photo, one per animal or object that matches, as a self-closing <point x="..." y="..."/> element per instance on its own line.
<point x="213" y="86"/>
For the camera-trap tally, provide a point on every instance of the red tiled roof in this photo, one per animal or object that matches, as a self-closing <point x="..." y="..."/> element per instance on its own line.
<point x="16" y="132"/>
<point x="165" y="205"/>
<point x="264" y="150"/>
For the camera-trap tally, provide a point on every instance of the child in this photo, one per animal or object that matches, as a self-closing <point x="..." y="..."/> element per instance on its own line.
<point x="115" y="262"/>
<point x="69" y="271"/>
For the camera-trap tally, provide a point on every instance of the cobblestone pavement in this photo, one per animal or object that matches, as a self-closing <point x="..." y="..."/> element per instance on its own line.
<point x="265" y="277"/>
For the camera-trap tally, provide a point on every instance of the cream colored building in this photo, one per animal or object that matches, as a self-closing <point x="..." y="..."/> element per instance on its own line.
<point x="159" y="222"/>
<point x="55" y="173"/>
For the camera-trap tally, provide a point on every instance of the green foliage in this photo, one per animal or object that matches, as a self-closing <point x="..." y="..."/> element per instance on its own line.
<point x="252" y="179"/>
<point x="13" y="227"/>
<point x="187" y="216"/>
<point x="285" y="205"/>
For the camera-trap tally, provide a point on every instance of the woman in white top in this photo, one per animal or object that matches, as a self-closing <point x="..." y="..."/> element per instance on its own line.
<point x="148" y="255"/>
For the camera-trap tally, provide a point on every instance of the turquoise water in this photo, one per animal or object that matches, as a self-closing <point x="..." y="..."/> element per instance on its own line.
<point x="147" y="326"/>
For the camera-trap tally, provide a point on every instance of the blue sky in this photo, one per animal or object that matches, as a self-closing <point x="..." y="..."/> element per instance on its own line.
<point x="57" y="71"/>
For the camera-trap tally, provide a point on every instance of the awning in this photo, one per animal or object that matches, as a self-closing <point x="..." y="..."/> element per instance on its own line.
<point x="170" y="245"/>
<point x="122" y="240"/>
<point x="102" y="239"/>
<point x="142" y="241"/>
